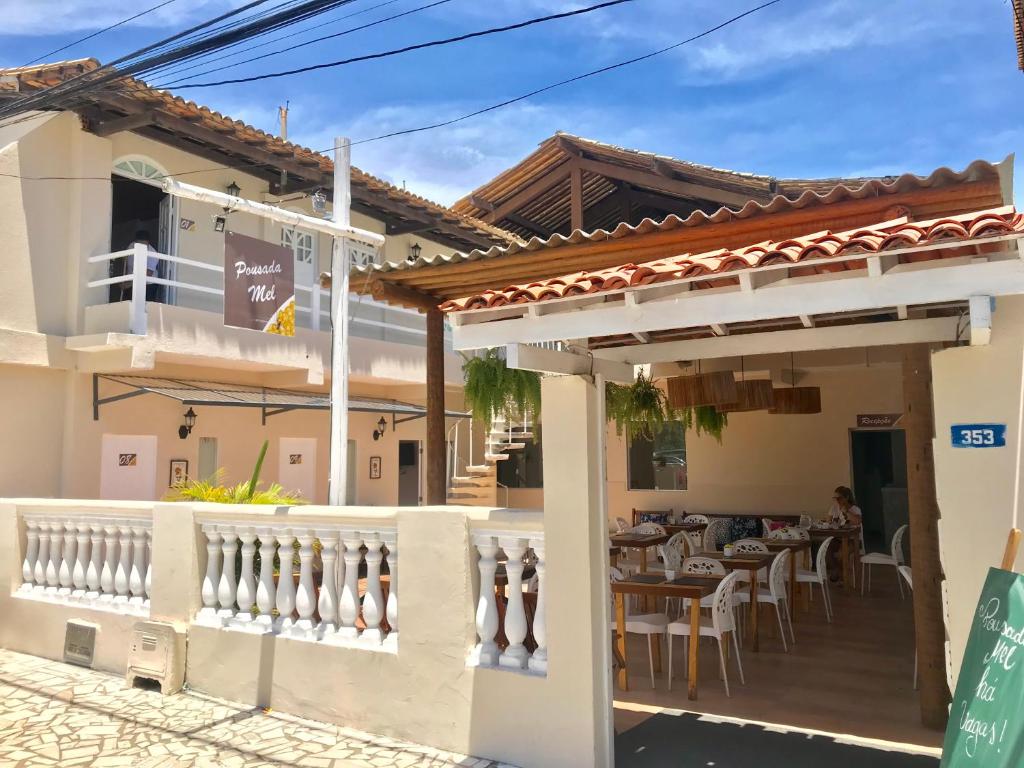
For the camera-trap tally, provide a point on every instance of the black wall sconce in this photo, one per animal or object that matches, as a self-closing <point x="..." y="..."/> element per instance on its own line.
<point x="381" y="425"/>
<point x="190" y="421"/>
<point x="414" y="251"/>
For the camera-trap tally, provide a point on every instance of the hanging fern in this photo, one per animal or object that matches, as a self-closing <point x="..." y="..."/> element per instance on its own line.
<point x="706" y="419"/>
<point x="493" y="389"/>
<point x="640" y="409"/>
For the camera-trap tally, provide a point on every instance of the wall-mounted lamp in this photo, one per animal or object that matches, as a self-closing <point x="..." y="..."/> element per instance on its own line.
<point x="414" y="251"/>
<point x="190" y="421"/>
<point x="319" y="201"/>
<point x="233" y="189"/>
<point x="381" y="425"/>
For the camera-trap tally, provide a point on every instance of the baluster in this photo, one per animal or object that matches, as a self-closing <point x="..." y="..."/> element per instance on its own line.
<point x="137" y="574"/>
<point x="373" y="600"/>
<point x="348" y="604"/>
<point x="265" y="593"/>
<point x="305" y="600"/>
<point x="211" y="581"/>
<point x="487" y="606"/>
<point x="109" y="563"/>
<point x="515" y="655"/>
<point x="28" y="567"/>
<point x="246" y="594"/>
<point x="328" y="603"/>
<point x="226" y="586"/>
<point x="285" y="582"/>
<point x="539" y="660"/>
<point x="53" y="566"/>
<point x="147" y="583"/>
<point x="43" y="559"/>
<point x="92" y="574"/>
<point x="81" y="562"/>
<point x="124" y="564"/>
<point x="67" y="560"/>
<point x="392" y="606"/>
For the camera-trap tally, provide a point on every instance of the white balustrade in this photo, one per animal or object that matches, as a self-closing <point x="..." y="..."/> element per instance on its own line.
<point x="297" y="608"/>
<point x="87" y="559"/>
<point x="514" y="545"/>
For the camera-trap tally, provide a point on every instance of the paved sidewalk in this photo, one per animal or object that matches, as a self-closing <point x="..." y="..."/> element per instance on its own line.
<point x="54" y="714"/>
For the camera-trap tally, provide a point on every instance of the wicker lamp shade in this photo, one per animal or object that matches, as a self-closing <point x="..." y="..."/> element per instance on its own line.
<point x="717" y="388"/>
<point x="752" y="395"/>
<point x="796" y="400"/>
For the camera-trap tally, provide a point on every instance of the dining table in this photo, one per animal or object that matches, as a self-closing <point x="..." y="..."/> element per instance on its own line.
<point x="849" y="538"/>
<point x="795" y="547"/>
<point x="673" y="528"/>
<point x="655" y="585"/>
<point x="751" y="562"/>
<point x="641" y="541"/>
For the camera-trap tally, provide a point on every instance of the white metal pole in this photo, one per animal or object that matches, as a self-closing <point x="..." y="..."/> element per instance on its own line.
<point x="339" y="324"/>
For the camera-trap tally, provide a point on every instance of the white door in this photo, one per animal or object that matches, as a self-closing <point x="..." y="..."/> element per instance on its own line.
<point x="297" y="466"/>
<point x="208" y="466"/>
<point x="303" y="246"/>
<point x="167" y="242"/>
<point x="128" y="467"/>
<point x="350" y="473"/>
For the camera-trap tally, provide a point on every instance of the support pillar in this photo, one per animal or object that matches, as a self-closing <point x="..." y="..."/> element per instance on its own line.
<point x="576" y="197"/>
<point x="929" y="626"/>
<point x="436" y="485"/>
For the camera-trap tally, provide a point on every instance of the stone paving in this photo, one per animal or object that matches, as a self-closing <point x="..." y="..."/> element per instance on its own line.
<point x="54" y="714"/>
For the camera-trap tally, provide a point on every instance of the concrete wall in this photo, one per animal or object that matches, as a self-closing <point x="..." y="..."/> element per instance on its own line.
<point x="32" y="425"/>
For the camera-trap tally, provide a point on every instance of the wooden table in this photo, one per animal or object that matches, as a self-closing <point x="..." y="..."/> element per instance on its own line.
<point x="692" y="588"/>
<point x="751" y="562"/>
<point x="641" y="541"/>
<point x="795" y="546"/>
<point x="849" y="537"/>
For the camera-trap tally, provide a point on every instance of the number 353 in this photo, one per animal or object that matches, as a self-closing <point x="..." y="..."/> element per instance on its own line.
<point x="978" y="435"/>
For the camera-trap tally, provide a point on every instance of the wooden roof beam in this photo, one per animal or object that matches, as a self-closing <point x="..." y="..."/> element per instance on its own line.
<point x="118" y="124"/>
<point x="398" y="294"/>
<point x="529" y="225"/>
<point x="659" y="183"/>
<point x="408" y="227"/>
<point x="528" y="193"/>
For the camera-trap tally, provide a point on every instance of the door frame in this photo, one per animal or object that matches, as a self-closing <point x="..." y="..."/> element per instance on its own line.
<point x="419" y="470"/>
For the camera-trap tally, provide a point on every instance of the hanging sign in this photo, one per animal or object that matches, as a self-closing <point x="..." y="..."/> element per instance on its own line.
<point x="986" y="721"/>
<point x="978" y="435"/>
<point x="259" y="285"/>
<point x="878" y="420"/>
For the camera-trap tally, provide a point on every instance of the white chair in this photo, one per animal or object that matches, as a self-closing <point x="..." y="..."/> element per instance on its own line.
<point x="673" y="552"/>
<point x="648" y="529"/>
<point x="646" y="624"/>
<point x="696" y="519"/>
<point x="751" y="546"/>
<point x="711" y="534"/>
<point x="705" y="566"/>
<point x="722" y="622"/>
<point x="621" y="525"/>
<point x="908" y="576"/>
<point x="776" y="594"/>
<point x="895" y="560"/>
<point x="696" y="540"/>
<point x="819" y="576"/>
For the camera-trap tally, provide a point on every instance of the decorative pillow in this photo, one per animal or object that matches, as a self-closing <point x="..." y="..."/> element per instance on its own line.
<point x="661" y="518"/>
<point x="774" y="525"/>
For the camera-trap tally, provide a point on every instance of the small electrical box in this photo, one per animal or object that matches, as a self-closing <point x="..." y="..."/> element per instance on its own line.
<point x="157" y="653"/>
<point x="79" y="642"/>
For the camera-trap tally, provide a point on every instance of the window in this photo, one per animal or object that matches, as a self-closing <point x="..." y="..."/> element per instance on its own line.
<point x="361" y="256"/>
<point x="658" y="464"/>
<point x="302" y="244"/>
<point x="141" y="168"/>
<point x="524" y="466"/>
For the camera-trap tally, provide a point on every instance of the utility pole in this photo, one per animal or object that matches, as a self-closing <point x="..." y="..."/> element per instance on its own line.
<point x="338" y="479"/>
<point x="282" y="116"/>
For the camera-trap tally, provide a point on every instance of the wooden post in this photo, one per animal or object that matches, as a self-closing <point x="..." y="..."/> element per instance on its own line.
<point x="337" y="492"/>
<point x="930" y="629"/>
<point x="436" y="486"/>
<point x="576" y="197"/>
<point x="1010" y="553"/>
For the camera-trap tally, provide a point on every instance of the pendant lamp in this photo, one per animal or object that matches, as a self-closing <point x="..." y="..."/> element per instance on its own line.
<point x="753" y="395"/>
<point x="794" y="399"/>
<point x="718" y="388"/>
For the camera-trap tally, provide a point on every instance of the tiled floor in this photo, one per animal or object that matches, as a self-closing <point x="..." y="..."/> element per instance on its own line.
<point x="54" y="714"/>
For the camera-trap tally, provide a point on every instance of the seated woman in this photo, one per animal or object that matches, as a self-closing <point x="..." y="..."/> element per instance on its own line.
<point x="844" y="510"/>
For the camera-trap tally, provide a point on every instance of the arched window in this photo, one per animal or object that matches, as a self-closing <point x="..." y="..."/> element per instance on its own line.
<point x="139" y="168"/>
<point x="302" y="243"/>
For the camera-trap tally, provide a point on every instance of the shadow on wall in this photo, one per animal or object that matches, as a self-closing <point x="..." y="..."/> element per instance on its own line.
<point x="667" y="739"/>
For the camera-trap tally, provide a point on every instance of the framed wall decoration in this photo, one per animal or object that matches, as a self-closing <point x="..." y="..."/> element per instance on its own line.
<point x="179" y="471"/>
<point x="375" y="467"/>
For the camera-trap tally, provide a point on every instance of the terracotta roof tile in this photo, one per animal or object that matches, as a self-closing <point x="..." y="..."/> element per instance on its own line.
<point x="810" y="253"/>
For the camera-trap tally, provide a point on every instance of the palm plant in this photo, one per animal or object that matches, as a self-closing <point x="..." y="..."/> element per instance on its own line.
<point x="248" y="492"/>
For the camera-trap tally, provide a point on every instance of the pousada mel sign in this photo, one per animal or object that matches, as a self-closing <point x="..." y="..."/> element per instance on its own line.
<point x="978" y="435"/>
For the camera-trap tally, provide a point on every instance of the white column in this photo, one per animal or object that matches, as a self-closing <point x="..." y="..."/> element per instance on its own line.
<point x="305" y="596"/>
<point x="226" y="588"/>
<point x="211" y="580"/>
<point x="339" y="319"/>
<point x="28" y="566"/>
<point x="95" y="567"/>
<point x="137" y="574"/>
<point x="314" y="306"/>
<point x="81" y="561"/>
<point x="109" y="563"/>
<point x="348" y="604"/>
<point x="67" y="560"/>
<point x="392" y="607"/>
<point x="53" y="566"/>
<point x="265" y="592"/>
<point x="285" y="582"/>
<point x="246" y="594"/>
<point x="124" y="564"/>
<point x="328" y="603"/>
<point x="487" y="607"/>
<point x="539" y="659"/>
<point x="373" y="600"/>
<point x="515" y="655"/>
<point x="42" y="559"/>
<point x="147" y="583"/>
<point x="140" y="258"/>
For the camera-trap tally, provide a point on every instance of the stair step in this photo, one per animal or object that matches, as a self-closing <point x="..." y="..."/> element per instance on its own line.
<point x="481" y="469"/>
<point x="496" y="457"/>
<point x="473" y="480"/>
<point x="504" y="435"/>
<point x="506" y="446"/>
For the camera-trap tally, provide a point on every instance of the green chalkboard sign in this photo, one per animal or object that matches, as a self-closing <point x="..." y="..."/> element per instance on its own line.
<point x="986" y="721"/>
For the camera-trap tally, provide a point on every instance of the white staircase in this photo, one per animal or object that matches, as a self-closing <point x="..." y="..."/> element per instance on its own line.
<point x="477" y="486"/>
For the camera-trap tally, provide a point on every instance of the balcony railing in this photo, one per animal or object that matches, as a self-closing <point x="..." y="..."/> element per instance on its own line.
<point x="185" y="286"/>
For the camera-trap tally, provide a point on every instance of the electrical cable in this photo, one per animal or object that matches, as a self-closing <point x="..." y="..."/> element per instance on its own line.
<point x="408" y="48"/>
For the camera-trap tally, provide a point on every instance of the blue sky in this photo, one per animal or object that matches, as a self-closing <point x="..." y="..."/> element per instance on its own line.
<point x="804" y="88"/>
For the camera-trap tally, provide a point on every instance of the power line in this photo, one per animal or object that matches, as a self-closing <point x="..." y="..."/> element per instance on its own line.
<point x="305" y="43"/>
<point x="102" y="31"/>
<point x="408" y="48"/>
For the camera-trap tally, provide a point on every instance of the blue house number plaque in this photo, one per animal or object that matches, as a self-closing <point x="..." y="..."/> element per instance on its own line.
<point x="978" y="435"/>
